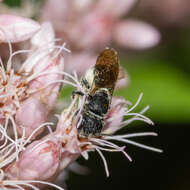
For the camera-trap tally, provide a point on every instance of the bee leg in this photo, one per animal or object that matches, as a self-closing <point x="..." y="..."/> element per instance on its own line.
<point x="76" y="92"/>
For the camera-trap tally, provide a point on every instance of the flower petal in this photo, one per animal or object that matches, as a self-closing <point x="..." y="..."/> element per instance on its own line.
<point x="30" y="115"/>
<point x="123" y="80"/>
<point x="35" y="109"/>
<point x="45" y="37"/>
<point x="79" y="62"/>
<point x="39" y="161"/>
<point x="56" y="11"/>
<point x="116" y="114"/>
<point x="82" y="5"/>
<point x="16" y="29"/>
<point x="136" y="34"/>
<point x="115" y="8"/>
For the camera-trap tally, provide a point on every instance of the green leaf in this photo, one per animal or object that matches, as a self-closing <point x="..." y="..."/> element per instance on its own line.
<point x="13" y="3"/>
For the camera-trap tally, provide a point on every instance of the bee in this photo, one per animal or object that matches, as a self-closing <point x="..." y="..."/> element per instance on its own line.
<point x="98" y="84"/>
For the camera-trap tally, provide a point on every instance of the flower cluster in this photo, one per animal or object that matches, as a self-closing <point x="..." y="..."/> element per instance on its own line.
<point x="168" y="13"/>
<point x="89" y="25"/>
<point x="31" y="157"/>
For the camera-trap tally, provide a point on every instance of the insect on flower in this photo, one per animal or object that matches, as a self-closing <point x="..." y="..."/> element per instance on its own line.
<point x="98" y="84"/>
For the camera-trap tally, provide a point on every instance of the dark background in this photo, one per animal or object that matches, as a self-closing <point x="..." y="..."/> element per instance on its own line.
<point x="149" y="170"/>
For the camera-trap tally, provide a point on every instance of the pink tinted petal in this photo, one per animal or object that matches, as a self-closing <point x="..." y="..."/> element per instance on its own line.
<point x="122" y="83"/>
<point x="16" y="29"/>
<point x="92" y="31"/>
<point x="136" y="34"/>
<point x="69" y="134"/>
<point x="116" y="113"/>
<point x="31" y="115"/>
<point x="43" y="84"/>
<point x="82" y="5"/>
<point x="79" y="62"/>
<point x="45" y="37"/>
<point x="115" y="8"/>
<point x="123" y="79"/>
<point x="39" y="161"/>
<point x="55" y="11"/>
<point x="48" y="95"/>
<point x="35" y="109"/>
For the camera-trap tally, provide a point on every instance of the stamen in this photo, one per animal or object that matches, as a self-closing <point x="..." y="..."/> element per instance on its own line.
<point x="105" y="143"/>
<point x="27" y="183"/>
<point x="5" y="135"/>
<point x="33" y="132"/>
<point x="38" y="51"/>
<point x="146" y="119"/>
<point x="37" y="145"/>
<point x="81" y="106"/>
<point x="136" y="135"/>
<point x="36" y="75"/>
<point x="9" y="44"/>
<point x="104" y="161"/>
<point x="1" y="175"/>
<point x="133" y="143"/>
<point x="56" y="81"/>
<point x="29" y="60"/>
<point x="136" y="104"/>
<point x="9" y="62"/>
<point x="3" y="70"/>
<point x="17" y="186"/>
<point x="15" y="133"/>
<point x="136" y="118"/>
<point x="60" y="50"/>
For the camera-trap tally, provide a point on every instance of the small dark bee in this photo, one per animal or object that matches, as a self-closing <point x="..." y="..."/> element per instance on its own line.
<point x="98" y="84"/>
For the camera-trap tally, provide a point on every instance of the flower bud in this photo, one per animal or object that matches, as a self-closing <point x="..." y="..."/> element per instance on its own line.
<point x="39" y="161"/>
<point x="44" y="81"/>
<point x="16" y="29"/>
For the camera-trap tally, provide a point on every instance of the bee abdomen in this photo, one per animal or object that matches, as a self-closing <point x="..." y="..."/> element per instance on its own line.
<point x="90" y="125"/>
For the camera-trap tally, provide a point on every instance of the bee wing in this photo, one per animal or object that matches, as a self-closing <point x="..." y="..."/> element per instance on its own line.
<point x="106" y="69"/>
<point x="123" y="79"/>
<point x="122" y="73"/>
<point x="104" y="73"/>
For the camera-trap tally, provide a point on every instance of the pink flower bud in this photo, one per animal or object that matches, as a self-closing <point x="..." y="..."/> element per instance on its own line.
<point x="43" y="92"/>
<point x="123" y="79"/>
<point x="40" y="161"/>
<point x="136" y="34"/>
<point x="13" y="88"/>
<point x="43" y="83"/>
<point x="16" y="29"/>
<point x="66" y="128"/>
<point x="56" y="11"/>
<point x="82" y="5"/>
<point x="44" y="38"/>
<point x="115" y="8"/>
<point x="95" y="29"/>
<point x="79" y="62"/>
<point x="30" y="115"/>
<point x="47" y="86"/>
<point x="115" y="115"/>
<point x="122" y="83"/>
<point x="118" y="110"/>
